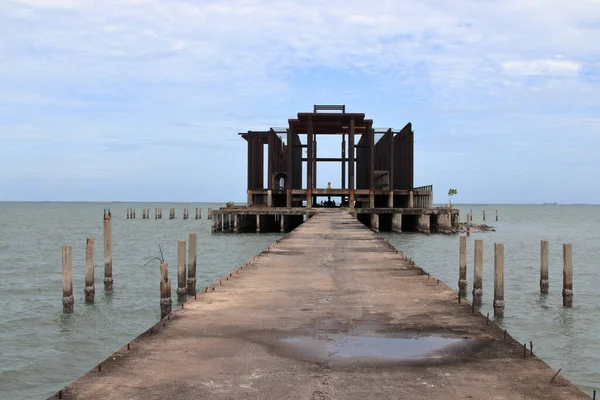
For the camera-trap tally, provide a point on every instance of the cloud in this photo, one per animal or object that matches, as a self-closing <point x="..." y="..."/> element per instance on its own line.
<point x="141" y="76"/>
<point x="542" y="67"/>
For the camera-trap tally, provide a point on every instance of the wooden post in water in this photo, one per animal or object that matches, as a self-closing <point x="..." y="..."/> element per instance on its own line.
<point x="567" y="275"/>
<point x="90" y="289"/>
<point x="200" y="213"/>
<point x="67" y="279"/>
<point x="544" y="281"/>
<point x="196" y="212"/>
<point x="498" y="280"/>
<point x="462" y="267"/>
<point x="127" y="212"/>
<point x="181" y="277"/>
<point x="496" y="215"/>
<point x="478" y="273"/>
<point x="108" y="280"/>
<point x="209" y="213"/>
<point x="468" y="225"/>
<point x="191" y="273"/>
<point x="484" y="215"/>
<point x="165" y="291"/>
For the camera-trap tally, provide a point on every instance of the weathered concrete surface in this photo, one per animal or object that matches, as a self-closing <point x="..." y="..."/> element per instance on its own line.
<point x="332" y="275"/>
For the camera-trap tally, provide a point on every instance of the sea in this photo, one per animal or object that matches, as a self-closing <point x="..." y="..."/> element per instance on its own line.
<point x="44" y="349"/>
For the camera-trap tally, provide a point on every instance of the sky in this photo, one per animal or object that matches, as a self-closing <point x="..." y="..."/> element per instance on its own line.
<point x="142" y="100"/>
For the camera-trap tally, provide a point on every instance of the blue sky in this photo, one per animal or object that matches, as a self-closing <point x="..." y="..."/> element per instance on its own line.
<point x="143" y="99"/>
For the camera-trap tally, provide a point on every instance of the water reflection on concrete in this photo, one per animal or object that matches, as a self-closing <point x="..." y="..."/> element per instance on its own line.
<point x="376" y="350"/>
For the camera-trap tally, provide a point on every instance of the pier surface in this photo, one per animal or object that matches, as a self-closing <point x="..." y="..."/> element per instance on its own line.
<point x="330" y="312"/>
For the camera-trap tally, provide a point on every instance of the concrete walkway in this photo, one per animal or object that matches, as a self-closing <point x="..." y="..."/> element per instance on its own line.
<point x="330" y="312"/>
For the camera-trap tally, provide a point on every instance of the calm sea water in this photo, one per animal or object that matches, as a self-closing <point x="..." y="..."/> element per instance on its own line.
<point x="43" y="349"/>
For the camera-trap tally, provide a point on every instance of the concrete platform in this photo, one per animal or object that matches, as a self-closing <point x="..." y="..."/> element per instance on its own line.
<point x="327" y="313"/>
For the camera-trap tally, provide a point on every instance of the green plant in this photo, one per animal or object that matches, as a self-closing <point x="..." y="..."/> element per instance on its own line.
<point x="451" y="193"/>
<point x="229" y="204"/>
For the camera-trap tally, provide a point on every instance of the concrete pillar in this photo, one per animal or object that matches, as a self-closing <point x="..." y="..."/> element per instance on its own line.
<point x="462" y="266"/>
<point x="423" y="223"/>
<point x="222" y="220"/>
<point x="269" y="198"/>
<point x="68" y="300"/>
<point x="478" y="273"/>
<point x="375" y="222"/>
<point x="391" y="199"/>
<point x="236" y="228"/>
<point x="257" y="223"/>
<point x="397" y="222"/>
<point x="567" y="275"/>
<point x="90" y="288"/>
<point x="498" y="280"/>
<point x="411" y="199"/>
<point x="371" y="199"/>
<point x="181" y="276"/>
<point x="165" y="291"/>
<point x="444" y="222"/>
<point x="544" y="282"/>
<point x="192" y="257"/>
<point x="108" y="280"/>
<point x="282" y="223"/>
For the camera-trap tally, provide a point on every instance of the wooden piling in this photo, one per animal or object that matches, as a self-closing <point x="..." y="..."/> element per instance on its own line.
<point x="544" y="281"/>
<point x="191" y="272"/>
<point x="468" y="225"/>
<point x="209" y="213"/>
<point x="498" y="280"/>
<point x="181" y="276"/>
<point x="200" y="213"/>
<point x="127" y="212"/>
<point x="496" y="215"/>
<point x="196" y="212"/>
<point x="165" y="291"/>
<point x="90" y="288"/>
<point x="108" y="280"/>
<point x="462" y="266"/>
<point x="478" y="273"/>
<point x="67" y="279"/>
<point x="484" y="215"/>
<point x="567" y="275"/>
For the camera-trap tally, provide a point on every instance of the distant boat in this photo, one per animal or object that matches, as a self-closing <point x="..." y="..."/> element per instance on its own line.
<point x="550" y="203"/>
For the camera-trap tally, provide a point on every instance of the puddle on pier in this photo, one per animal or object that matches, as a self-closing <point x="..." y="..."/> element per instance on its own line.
<point x="341" y="349"/>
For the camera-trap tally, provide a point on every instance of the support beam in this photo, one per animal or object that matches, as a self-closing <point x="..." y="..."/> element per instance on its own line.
<point x="351" y="163"/>
<point x="309" y="162"/>
<point x="344" y="161"/>
<point x="371" y="158"/>
<point x="391" y="155"/>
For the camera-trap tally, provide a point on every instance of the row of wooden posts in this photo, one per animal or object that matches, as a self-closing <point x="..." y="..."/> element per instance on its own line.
<point x="470" y="220"/>
<point x="158" y="213"/>
<point x="567" y="292"/>
<point x="67" y="267"/>
<point x="186" y="280"/>
<point x="186" y="285"/>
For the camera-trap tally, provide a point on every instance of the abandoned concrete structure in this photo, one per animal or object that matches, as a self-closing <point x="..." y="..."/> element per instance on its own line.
<point x="376" y="177"/>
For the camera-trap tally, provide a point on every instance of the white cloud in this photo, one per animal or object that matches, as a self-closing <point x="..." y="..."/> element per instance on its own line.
<point x="542" y="67"/>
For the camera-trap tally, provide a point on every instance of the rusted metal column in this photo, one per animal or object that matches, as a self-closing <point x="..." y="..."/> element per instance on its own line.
<point x="371" y="198"/>
<point x="90" y="288"/>
<point x="67" y="279"/>
<point x="391" y="155"/>
<point x="309" y="162"/>
<point x="498" y="280"/>
<point x="351" y="163"/>
<point x="165" y="291"/>
<point x="567" y="275"/>
<point x="371" y="159"/>
<point x="478" y="273"/>
<point x="192" y="257"/>
<point x="108" y="279"/>
<point x="181" y="276"/>
<point x="343" y="161"/>
<point x="544" y="282"/>
<point x="462" y="267"/>
<point x="290" y="167"/>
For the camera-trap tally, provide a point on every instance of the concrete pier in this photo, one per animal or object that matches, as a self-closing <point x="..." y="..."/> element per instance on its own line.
<point x="329" y="312"/>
